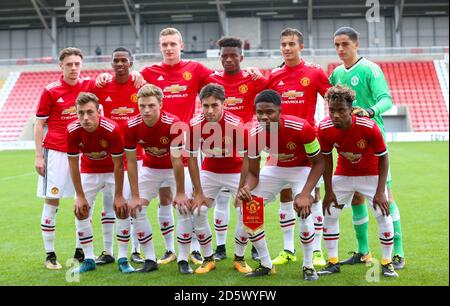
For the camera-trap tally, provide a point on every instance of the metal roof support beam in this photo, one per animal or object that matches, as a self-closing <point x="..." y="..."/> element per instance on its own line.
<point x="50" y="32"/>
<point x="41" y="17"/>
<point x="398" y="13"/>
<point x="223" y="20"/>
<point x="310" y="19"/>
<point x="127" y="4"/>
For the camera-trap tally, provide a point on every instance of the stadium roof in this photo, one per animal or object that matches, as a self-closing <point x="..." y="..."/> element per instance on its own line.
<point x="15" y="14"/>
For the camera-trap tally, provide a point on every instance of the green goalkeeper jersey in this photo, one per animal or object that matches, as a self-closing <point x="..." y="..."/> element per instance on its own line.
<point x="367" y="80"/>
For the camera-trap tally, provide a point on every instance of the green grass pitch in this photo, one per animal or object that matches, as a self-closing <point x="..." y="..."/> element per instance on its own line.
<point x="420" y="172"/>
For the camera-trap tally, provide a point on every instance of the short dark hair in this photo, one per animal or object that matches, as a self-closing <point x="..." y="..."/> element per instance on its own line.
<point x="350" y="32"/>
<point x="290" y="32"/>
<point x="68" y="52"/>
<point x="86" y="97"/>
<point x="123" y="49"/>
<point x="230" y="41"/>
<point x="269" y="96"/>
<point x="212" y="90"/>
<point x="340" y="93"/>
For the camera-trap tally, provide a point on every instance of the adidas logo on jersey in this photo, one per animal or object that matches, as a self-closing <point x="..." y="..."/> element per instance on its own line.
<point x="108" y="99"/>
<point x="141" y="141"/>
<point x="281" y="83"/>
<point x="160" y="78"/>
<point x="60" y="100"/>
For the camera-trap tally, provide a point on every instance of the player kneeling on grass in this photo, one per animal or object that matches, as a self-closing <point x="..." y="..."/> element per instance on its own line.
<point x="362" y="167"/>
<point x="162" y="166"/>
<point x="294" y="161"/>
<point x="220" y="136"/>
<point x="100" y="141"/>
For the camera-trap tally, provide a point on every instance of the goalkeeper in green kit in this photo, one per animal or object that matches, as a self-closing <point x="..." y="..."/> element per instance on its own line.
<point x="372" y="100"/>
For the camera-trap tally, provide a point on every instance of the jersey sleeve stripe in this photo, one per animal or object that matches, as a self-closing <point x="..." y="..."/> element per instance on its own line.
<point x="254" y="156"/>
<point x="313" y="154"/>
<point x="41" y="117"/>
<point x="130" y="149"/>
<point x="73" y="154"/>
<point x="117" y="155"/>
<point x="381" y="153"/>
<point x="327" y="152"/>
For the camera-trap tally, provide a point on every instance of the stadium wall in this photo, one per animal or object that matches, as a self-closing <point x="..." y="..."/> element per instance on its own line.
<point x="415" y="31"/>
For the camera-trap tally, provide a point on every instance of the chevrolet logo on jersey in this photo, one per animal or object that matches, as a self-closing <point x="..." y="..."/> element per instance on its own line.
<point x="292" y="94"/>
<point x="231" y="101"/>
<point x="175" y="88"/>
<point x="123" y="110"/>
<point x="352" y="157"/>
<point x="96" y="155"/>
<point x="71" y="111"/>
<point x="283" y="157"/>
<point x="155" y="151"/>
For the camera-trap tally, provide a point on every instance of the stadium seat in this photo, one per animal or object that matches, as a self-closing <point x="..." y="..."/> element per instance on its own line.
<point x="416" y="85"/>
<point x="22" y="102"/>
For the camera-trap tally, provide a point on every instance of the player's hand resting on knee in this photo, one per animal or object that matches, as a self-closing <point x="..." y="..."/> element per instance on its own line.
<point x="381" y="201"/>
<point x="181" y="202"/>
<point x="121" y="207"/>
<point x="135" y="206"/>
<point x="81" y="208"/>
<point x="302" y="205"/>
<point x="244" y="194"/>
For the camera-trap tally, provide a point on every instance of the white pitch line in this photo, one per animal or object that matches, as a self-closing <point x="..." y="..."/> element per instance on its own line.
<point x="15" y="176"/>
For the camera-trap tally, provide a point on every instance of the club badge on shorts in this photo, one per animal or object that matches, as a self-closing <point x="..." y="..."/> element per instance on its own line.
<point x="253" y="214"/>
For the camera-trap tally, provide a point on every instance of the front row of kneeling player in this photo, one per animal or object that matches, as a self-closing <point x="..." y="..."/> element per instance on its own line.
<point x="298" y="157"/>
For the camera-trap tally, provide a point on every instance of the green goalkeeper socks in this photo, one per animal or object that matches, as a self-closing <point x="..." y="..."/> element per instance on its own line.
<point x="361" y="226"/>
<point x="398" y="242"/>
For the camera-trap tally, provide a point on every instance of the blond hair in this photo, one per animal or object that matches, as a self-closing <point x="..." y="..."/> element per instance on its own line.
<point x="150" y="90"/>
<point x="86" y="97"/>
<point x="170" y="31"/>
<point x="69" y="51"/>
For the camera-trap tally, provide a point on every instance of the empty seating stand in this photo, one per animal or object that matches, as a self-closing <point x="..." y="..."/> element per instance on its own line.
<point x="23" y="100"/>
<point x="416" y="85"/>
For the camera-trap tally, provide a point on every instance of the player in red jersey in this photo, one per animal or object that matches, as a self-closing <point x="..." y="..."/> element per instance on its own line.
<point x="57" y="109"/>
<point x="362" y="167"/>
<point x="100" y="141"/>
<point x="118" y="98"/>
<point x="294" y="161"/>
<point x="161" y="137"/>
<point x="221" y="138"/>
<point x="298" y="82"/>
<point x="240" y="90"/>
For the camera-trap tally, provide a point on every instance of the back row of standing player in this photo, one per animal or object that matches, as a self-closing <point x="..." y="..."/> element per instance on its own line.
<point x="297" y="82"/>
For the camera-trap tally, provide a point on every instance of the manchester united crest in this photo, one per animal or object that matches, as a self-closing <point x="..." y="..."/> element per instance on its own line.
<point x="54" y="190"/>
<point x="362" y="144"/>
<point x="305" y="81"/>
<point x="187" y="75"/>
<point x="291" y="145"/>
<point x="164" y="140"/>
<point x="253" y="207"/>
<point x="103" y="143"/>
<point x="243" y="89"/>
<point x="134" y="98"/>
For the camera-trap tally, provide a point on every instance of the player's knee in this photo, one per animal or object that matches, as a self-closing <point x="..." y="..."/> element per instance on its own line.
<point x="358" y="199"/>
<point x="165" y="196"/>
<point x="286" y="195"/>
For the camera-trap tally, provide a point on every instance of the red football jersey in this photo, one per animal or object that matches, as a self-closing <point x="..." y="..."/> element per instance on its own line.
<point x="156" y="140"/>
<point x="240" y="92"/>
<point x="298" y="87"/>
<point x="119" y="102"/>
<point x="180" y="84"/>
<point x="222" y="142"/>
<point x="57" y="106"/>
<point x="358" y="147"/>
<point x="97" y="147"/>
<point x="290" y="146"/>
